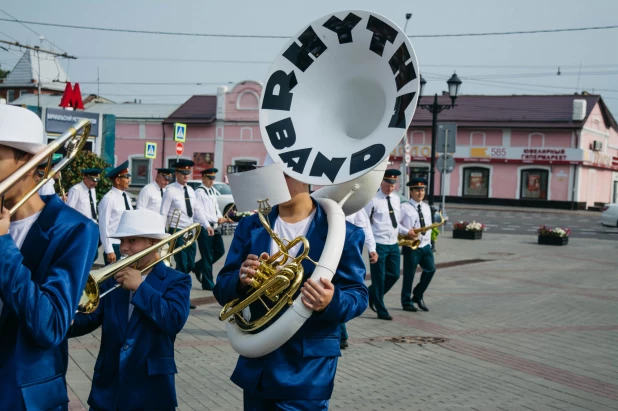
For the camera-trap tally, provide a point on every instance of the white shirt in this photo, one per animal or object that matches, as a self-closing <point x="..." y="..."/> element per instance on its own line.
<point x="48" y="188"/>
<point x="209" y="212"/>
<point x="111" y="207"/>
<point x="174" y="199"/>
<point x="18" y="230"/>
<point x="411" y="219"/>
<point x="79" y="199"/>
<point x="290" y="231"/>
<point x="381" y="225"/>
<point x="150" y="197"/>
<point x="361" y="219"/>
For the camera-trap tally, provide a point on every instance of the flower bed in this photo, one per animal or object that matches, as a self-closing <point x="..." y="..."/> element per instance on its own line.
<point x="468" y="231"/>
<point x="553" y="236"/>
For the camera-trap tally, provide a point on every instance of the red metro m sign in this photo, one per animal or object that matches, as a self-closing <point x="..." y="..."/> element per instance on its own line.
<point x="72" y="97"/>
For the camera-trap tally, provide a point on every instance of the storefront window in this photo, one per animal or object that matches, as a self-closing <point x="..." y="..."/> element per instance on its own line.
<point x="534" y="184"/>
<point x="419" y="172"/>
<point x="139" y="171"/>
<point x="476" y="182"/>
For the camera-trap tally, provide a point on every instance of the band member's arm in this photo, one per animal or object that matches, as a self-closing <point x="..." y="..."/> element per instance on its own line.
<point x="199" y="214"/>
<point x="73" y="196"/>
<point x="105" y="215"/>
<point x="351" y="297"/>
<point x="45" y="311"/>
<point x="227" y="287"/>
<point x="169" y="310"/>
<point x="142" y="199"/>
<point x="166" y="203"/>
<point x="407" y="220"/>
<point x="362" y="220"/>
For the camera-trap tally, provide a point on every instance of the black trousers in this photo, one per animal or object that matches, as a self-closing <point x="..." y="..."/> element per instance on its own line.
<point x="211" y="250"/>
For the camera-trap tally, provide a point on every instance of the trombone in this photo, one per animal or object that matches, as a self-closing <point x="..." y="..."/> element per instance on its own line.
<point x="91" y="297"/>
<point x="73" y="144"/>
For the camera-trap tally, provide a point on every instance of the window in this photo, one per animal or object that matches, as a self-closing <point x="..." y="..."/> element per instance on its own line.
<point x="476" y="182"/>
<point x="244" y="165"/>
<point x="63" y="151"/>
<point x="23" y="92"/>
<point x="534" y="184"/>
<point x="419" y="172"/>
<point x="10" y="96"/>
<point x="140" y="171"/>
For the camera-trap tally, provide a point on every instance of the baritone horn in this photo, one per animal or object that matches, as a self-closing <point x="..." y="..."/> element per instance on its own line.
<point x="404" y="241"/>
<point x="336" y="101"/>
<point x="91" y="297"/>
<point x="70" y="140"/>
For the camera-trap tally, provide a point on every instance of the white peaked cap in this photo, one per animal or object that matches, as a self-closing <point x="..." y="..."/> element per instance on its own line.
<point x="20" y="128"/>
<point x="141" y="223"/>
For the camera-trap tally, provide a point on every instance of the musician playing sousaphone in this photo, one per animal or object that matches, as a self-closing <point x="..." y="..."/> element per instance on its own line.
<point x="300" y="374"/>
<point x="46" y="252"/>
<point x="135" y="366"/>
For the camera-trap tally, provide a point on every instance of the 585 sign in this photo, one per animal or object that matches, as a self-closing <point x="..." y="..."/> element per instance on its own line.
<point x="499" y="152"/>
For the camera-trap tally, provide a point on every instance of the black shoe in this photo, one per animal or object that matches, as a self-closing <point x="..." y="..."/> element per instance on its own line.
<point x="372" y="304"/>
<point x="420" y="303"/>
<point x="193" y="307"/>
<point x="410" y="307"/>
<point x="386" y="317"/>
<point x="343" y="344"/>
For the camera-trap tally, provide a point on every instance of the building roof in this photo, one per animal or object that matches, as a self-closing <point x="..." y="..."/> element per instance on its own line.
<point x="196" y="110"/>
<point x="134" y="111"/>
<point x="53" y="100"/>
<point x="26" y="72"/>
<point x="524" y="111"/>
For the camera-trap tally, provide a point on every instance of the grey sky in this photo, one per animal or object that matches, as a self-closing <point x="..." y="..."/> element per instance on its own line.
<point x="595" y="50"/>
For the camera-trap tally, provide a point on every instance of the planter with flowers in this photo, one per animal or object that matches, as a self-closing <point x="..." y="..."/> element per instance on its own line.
<point x="553" y="236"/>
<point x="468" y="231"/>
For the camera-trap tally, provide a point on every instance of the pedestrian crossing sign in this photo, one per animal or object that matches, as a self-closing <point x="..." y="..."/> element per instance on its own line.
<point x="151" y="150"/>
<point x="180" y="132"/>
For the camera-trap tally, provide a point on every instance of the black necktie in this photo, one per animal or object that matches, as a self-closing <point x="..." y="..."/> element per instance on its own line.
<point x="391" y="212"/>
<point x="188" y="203"/>
<point x="93" y="209"/>
<point x="126" y="201"/>
<point x="161" y="192"/>
<point x="420" y="214"/>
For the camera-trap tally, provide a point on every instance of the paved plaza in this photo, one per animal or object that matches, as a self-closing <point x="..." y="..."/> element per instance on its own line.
<point x="514" y="326"/>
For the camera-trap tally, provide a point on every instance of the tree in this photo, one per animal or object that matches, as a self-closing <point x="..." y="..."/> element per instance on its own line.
<point x="4" y="73"/>
<point x="72" y="174"/>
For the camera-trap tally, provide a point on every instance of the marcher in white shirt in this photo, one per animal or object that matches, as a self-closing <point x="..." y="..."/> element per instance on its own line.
<point x="384" y="213"/>
<point x="111" y="207"/>
<point x="209" y="215"/>
<point x="151" y="195"/>
<point x="83" y="196"/>
<point x="416" y="214"/>
<point x="48" y="188"/>
<point x="180" y="196"/>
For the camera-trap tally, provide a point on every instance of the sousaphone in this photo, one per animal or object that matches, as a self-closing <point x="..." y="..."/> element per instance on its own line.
<point x="337" y="100"/>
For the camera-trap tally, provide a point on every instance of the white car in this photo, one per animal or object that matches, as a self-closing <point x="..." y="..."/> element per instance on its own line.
<point x="223" y="191"/>
<point x="609" y="216"/>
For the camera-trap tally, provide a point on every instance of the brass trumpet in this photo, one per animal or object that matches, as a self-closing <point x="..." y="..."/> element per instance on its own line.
<point x="73" y="144"/>
<point x="404" y="241"/>
<point x="91" y="296"/>
<point x="278" y="283"/>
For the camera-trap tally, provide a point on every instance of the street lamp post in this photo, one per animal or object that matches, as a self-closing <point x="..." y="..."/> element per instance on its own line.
<point x="453" y="88"/>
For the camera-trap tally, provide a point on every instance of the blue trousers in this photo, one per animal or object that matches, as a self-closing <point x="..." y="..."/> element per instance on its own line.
<point x="253" y="401"/>
<point x="211" y="250"/>
<point x="384" y="274"/>
<point x="411" y="259"/>
<point x="116" y="251"/>
<point x="185" y="259"/>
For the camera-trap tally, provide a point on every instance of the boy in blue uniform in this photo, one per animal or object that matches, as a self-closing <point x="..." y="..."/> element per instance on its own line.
<point x="135" y="367"/>
<point x="300" y="374"/>
<point x="46" y="252"/>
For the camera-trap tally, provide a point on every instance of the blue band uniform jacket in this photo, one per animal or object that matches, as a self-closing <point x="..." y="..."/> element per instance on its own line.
<point x="135" y="368"/>
<point x="40" y="286"/>
<point x="304" y="367"/>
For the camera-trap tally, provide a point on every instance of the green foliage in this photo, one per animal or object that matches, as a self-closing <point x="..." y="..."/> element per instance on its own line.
<point x="435" y="232"/>
<point x="4" y="73"/>
<point x="72" y="174"/>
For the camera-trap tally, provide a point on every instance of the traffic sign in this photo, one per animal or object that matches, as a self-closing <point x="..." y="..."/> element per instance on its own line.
<point x="450" y="164"/>
<point x="447" y="132"/>
<point x="180" y="148"/>
<point x="151" y="150"/>
<point x="180" y="132"/>
<point x="407" y="159"/>
<point x="407" y="148"/>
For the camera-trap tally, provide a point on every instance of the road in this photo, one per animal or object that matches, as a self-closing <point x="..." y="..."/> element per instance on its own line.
<point x="528" y="222"/>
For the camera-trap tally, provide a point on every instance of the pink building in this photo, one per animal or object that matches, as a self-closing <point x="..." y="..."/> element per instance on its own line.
<point x="557" y="151"/>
